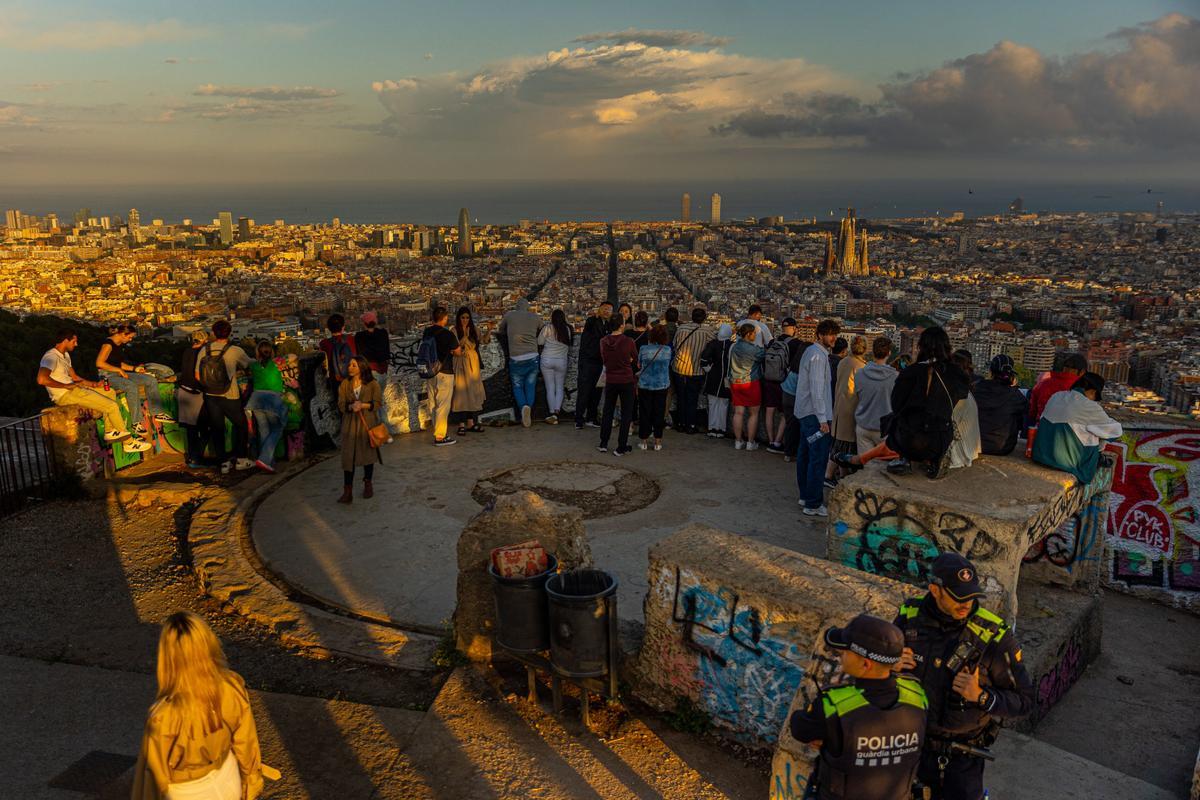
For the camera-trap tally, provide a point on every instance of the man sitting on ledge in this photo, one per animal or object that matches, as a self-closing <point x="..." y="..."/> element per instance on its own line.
<point x="1072" y="427"/>
<point x="67" y="388"/>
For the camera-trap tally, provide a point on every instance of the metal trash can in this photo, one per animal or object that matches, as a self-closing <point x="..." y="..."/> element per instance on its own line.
<point x="521" y="618"/>
<point x="582" y="622"/>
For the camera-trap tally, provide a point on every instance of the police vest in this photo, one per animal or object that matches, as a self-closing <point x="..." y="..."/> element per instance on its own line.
<point x="881" y="747"/>
<point x="983" y="623"/>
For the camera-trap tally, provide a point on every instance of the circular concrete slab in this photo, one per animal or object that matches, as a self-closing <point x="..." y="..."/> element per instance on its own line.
<point x="598" y="490"/>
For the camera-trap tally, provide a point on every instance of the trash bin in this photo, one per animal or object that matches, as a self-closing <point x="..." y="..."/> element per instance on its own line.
<point x="521" y="620"/>
<point x="579" y="622"/>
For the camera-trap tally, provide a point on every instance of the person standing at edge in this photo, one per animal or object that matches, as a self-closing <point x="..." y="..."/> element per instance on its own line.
<point x="518" y="334"/>
<point x="715" y="363"/>
<point x="686" y="375"/>
<point x="814" y="410"/>
<point x="441" y="385"/>
<point x="587" y="398"/>
<point x="200" y="740"/>
<point x="745" y="386"/>
<point x="358" y="400"/>
<point x="223" y="396"/>
<point x="338" y="348"/>
<point x="469" y="393"/>
<point x="189" y="399"/>
<point x="844" y="403"/>
<point x="652" y="383"/>
<point x="374" y="344"/>
<point x="869" y="730"/>
<point x="266" y="405"/>
<point x="778" y="407"/>
<point x="620" y="358"/>
<point x="555" y="341"/>
<point x="966" y="700"/>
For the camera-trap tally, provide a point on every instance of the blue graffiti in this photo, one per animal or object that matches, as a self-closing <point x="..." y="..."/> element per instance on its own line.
<point x="788" y="786"/>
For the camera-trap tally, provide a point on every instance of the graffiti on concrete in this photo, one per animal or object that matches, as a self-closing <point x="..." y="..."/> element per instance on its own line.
<point x="886" y="540"/>
<point x="1062" y="675"/>
<point x="1075" y="542"/>
<point x="1153" y="532"/>
<point x="790" y="781"/>
<point x="748" y="666"/>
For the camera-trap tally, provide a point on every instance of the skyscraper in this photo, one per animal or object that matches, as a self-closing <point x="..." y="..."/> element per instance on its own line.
<point x="686" y="216"/>
<point x="244" y="229"/>
<point x="464" y="233"/>
<point x="12" y="218"/>
<point x="225" y="219"/>
<point x="716" y="209"/>
<point x="135" y="220"/>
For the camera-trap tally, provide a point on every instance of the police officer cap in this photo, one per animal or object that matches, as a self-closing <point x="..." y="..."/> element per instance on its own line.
<point x="956" y="575"/>
<point x="870" y="637"/>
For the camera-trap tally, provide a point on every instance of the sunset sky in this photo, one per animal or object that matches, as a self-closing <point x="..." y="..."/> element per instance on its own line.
<point x="152" y="93"/>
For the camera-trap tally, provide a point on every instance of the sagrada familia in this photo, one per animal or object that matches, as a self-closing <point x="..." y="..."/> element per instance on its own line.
<point x="850" y="255"/>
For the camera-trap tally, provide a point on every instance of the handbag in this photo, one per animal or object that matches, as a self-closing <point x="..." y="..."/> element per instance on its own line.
<point x="377" y="435"/>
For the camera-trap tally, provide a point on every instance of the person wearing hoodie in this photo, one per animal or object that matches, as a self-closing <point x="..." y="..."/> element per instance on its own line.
<point x="1072" y="428"/>
<point x="873" y="384"/>
<point x="518" y="334"/>
<point x="587" y="393"/>
<point x="620" y="364"/>
<point x="1074" y="365"/>
<point x="714" y="361"/>
<point x="1002" y="407"/>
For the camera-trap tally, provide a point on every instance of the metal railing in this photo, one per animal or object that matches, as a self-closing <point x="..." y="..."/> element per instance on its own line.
<point x="27" y="470"/>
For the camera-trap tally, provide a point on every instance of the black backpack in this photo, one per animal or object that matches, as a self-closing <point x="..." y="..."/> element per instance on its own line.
<point x="214" y="375"/>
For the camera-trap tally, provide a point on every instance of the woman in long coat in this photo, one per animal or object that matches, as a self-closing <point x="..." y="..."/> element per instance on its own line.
<point x="359" y="398"/>
<point x="844" y="402"/>
<point x="469" y="393"/>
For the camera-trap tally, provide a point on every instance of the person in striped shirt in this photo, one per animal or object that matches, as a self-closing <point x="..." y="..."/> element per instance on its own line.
<point x="686" y="375"/>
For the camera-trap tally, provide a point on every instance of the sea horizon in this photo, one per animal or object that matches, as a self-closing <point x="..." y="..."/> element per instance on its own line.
<point x="505" y="202"/>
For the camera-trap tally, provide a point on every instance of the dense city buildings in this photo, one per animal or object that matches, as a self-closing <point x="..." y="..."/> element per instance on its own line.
<point x="1118" y="288"/>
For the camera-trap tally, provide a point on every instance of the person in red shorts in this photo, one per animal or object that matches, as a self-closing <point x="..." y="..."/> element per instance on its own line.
<point x="745" y="385"/>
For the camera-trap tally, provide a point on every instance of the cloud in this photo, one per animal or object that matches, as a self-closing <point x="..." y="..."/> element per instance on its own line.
<point x="1140" y="96"/>
<point x="266" y="92"/>
<point x="14" y="115"/>
<point x="94" y="35"/>
<point x="655" y="38"/>
<point x="292" y="30"/>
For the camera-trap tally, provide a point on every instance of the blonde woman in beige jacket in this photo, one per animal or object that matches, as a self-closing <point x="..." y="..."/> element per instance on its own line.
<point x="200" y="742"/>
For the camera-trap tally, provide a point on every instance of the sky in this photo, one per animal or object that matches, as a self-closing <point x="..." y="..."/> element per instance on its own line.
<point x="277" y="93"/>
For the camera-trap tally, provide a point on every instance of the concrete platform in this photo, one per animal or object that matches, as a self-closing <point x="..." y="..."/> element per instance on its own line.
<point x="393" y="557"/>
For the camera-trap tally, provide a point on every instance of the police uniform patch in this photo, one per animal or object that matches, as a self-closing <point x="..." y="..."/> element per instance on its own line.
<point x="964" y="575"/>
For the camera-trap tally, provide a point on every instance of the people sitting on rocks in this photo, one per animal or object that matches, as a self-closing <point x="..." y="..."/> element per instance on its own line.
<point x="115" y="365"/>
<point x="1053" y="382"/>
<point x="966" y="446"/>
<point x="1072" y="428"/>
<point x="67" y="388"/>
<point x="1002" y="407"/>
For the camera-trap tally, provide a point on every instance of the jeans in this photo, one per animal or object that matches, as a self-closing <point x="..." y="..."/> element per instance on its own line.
<point x="133" y="397"/>
<point x="791" y="431"/>
<point x="718" y="413"/>
<point x="441" y="391"/>
<point x="587" y="398"/>
<point x="652" y="416"/>
<point x="270" y="415"/>
<point x="220" y="409"/>
<point x="612" y="393"/>
<point x="95" y="400"/>
<point x="348" y="475"/>
<point x="811" y="458"/>
<point x="687" y="399"/>
<point x="524" y="381"/>
<point x="554" y="373"/>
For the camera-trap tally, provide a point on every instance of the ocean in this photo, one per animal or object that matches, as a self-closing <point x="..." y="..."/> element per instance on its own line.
<point x="506" y="202"/>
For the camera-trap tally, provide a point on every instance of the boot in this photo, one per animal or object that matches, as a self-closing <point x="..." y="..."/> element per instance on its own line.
<point x="368" y="490"/>
<point x="347" y="495"/>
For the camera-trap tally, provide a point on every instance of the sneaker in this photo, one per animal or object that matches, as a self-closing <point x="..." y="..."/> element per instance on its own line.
<point x="226" y="467"/>
<point x="578" y="427"/>
<point x="831" y="483"/>
<point x="844" y="461"/>
<point x="591" y="424"/>
<point x="820" y="511"/>
<point x="657" y="446"/>
<point x="716" y="435"/>
<point x="390" y="440"/>
<point x="162" y="417"/>
<point x="787" y="459"/>
<point x="552" y="419"/>
<point x="738" y="444"/>
<point x="603" y="448"/>
<point x="643" y="445"/>
<point x="243" y="464"/>
<point x="265" y="467"/>
<point x="140" y="429"/>
<point x="444" y="442"/>
<point x="751" y="445"/>
<point x="526" y="416"/>
<point x="136" y="446"/>
<point x="116" y="436"/>
<point x="776" y="448"/>
<point x="901" y="466"/>
<point x="620" y="451"/>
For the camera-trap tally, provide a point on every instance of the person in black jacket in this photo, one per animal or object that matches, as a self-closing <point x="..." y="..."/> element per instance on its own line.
<point x="714" y="362"/>
<point x="587" y="398"/>
<point x="969" y="663"/>
<point x="189" y="397"/>
<point x="1002" y="408"/>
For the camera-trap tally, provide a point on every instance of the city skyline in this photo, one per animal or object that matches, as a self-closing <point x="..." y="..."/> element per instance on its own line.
<point x="1075" y="90"/>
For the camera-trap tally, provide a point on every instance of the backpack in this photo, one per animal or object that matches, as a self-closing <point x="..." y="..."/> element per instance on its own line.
<point x="775" y="361"/>
<point x="428" y="363"/>
<point x="214" y="375"/>
<point x="340" y="356"/>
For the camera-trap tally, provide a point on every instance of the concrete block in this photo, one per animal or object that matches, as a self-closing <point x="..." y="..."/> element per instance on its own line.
<point x="993" y="513"/>
<point x="733" y="625"/>
<point x="510" y="519"/>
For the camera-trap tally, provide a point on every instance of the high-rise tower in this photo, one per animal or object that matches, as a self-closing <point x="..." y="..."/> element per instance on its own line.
<point x="225" y="222"/>
<point x="863" y="269"/>
<point x="464" y="233"/>
<point x="686" y="216"/>
<point x="716" y="209"/>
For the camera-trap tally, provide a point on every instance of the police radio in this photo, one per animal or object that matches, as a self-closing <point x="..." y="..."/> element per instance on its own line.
<point x="967" y="653"/>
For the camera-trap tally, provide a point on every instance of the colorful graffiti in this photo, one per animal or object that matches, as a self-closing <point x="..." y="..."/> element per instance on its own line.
<point x="1154" y="525"/>
<point x="1067" y="668"/>
<point x="748" y="665"/>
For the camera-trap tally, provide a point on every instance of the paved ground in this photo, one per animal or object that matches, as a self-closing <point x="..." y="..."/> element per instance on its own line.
<point x="393" y="557"/>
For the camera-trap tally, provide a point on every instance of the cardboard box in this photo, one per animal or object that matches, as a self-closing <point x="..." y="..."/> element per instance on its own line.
<point x="522" y="560"/>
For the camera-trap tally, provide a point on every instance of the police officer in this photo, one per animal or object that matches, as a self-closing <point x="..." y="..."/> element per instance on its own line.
<point x="970" y="666"/>
<point x="869" y="730"/>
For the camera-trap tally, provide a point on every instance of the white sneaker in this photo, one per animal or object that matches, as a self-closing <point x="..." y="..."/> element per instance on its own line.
<point x="739" y="444"/>
<point x="226" y="467"/>
<point x="243" y="464"/>
<point x="751" y="445"/>
<point x="526" y="416"/>
<point x="116" y="436"/>
<point x="139" y="429"/>
<point x="161" y="417"/>
<point x="136" y="446"/>
<point x="643" y="446"/>
<point x="820" y="511"/>
<point x="552" y="419"/>
<point x="657" y="446"/>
